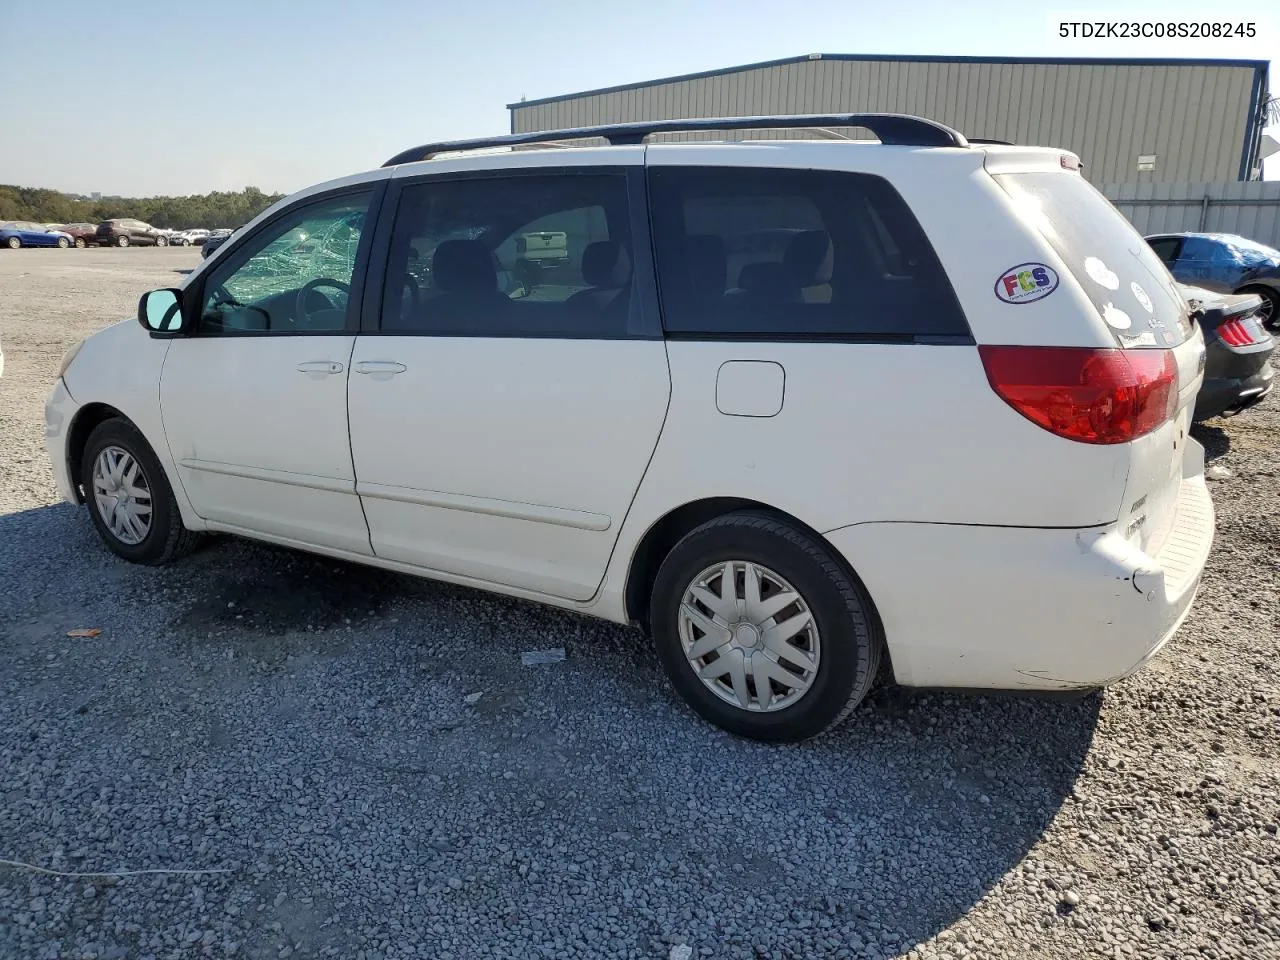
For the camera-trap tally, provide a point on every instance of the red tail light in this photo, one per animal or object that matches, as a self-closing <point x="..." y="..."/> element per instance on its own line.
<point x="1235" y="333"/>
<point x="1093" y="396"/>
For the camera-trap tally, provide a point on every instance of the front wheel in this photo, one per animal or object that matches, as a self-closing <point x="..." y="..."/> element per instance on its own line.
<point x="63" y="242"/>
<point x="162" y="241"/>
<point x="761" y="630"/>
<point x="129" y="497"/>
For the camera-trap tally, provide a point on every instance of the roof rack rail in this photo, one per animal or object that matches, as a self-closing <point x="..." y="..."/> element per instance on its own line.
<point x="889" y="128"/>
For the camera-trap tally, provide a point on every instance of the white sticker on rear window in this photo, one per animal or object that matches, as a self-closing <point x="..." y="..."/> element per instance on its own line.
<point x="1141" y="296"/>
<point x="1116" y="318"/>
<point x="1026" y="283"/>
<point x="1101" y="274"/>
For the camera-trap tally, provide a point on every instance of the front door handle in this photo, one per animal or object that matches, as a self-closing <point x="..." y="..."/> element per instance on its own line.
<point x="316" y="369"/>
<point x="380" y="369"/>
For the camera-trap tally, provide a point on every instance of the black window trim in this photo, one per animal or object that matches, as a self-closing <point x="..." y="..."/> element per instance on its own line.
<point x="193" y="297"/>
<point x="964" y="339"/>
<point x="644" y="286"/>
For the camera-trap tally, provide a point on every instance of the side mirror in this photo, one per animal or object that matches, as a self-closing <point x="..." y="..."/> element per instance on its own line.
<point x="160" y="311"/>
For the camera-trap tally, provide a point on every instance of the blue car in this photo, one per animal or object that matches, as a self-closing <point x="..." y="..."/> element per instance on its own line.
<point x="21" y="233"/>
<point x="1224" y="263"/>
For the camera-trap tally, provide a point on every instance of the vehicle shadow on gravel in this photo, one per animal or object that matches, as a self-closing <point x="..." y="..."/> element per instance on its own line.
<point x="280" y="676"/>
<point x="1215" y="440"/>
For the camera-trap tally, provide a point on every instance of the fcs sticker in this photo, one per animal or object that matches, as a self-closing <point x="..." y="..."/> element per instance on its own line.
<point x="1141" y="296"/>
<point x="1026" y="283"/>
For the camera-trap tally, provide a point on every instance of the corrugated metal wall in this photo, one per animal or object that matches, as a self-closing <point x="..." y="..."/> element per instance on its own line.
<point x="1192" y="117"/>
<point x="1249" y="209"/>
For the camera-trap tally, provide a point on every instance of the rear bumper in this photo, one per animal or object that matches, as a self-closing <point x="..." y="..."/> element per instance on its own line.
<point x="1233" y="394"/>
<point x="1018" y="608"/>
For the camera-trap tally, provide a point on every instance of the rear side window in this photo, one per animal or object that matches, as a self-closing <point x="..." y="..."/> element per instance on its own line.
<point x="1166" y="248"/>
<point x="795" y="254"/>
<point x="516" y="256"/>
<point x="1123" y="277"/>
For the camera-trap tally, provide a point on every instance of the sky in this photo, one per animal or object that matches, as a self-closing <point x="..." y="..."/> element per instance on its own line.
<point x="151" y="97"/>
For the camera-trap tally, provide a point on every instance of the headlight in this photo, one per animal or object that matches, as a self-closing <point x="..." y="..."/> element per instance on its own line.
<point x="68" y="357"/>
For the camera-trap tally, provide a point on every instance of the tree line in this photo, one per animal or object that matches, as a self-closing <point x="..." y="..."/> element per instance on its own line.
<point x="211" y="210"/>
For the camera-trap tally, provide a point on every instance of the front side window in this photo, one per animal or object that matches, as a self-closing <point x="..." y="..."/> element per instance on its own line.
<point x="796" y="254"/>
<point x="294" y="277"/>
<point x="518" y="256"/>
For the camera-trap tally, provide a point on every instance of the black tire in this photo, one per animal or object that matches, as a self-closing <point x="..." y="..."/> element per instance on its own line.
<point x="63" y="242"/>
<point x="167" y="539"/>
<point x="1270" y="305"/>
<point x="851" y="640"/>
<point x="122" y="241"/>
<point x="80" y="244"/>
<point x="162" y="241"/>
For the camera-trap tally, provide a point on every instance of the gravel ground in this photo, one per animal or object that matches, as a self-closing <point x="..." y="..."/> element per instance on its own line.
<point x="303" y="726"/>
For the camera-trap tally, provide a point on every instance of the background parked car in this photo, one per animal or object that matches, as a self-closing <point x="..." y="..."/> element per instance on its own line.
<point x="1225" y="263"/>
<point x="81" y="234"/>
<point x="189" y="238"/>
<point x="215" y="239"/>
<point x="23" y="233"/>
<point x="1237" y="368"/>
<point x="127" y="233"/>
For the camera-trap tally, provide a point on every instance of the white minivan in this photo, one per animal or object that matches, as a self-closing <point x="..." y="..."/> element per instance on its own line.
<point x="795" y="407"/>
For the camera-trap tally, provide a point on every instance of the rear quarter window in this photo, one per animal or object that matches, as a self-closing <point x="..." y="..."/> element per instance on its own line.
<point x="1123" y="277"/>
<point x="759" y="253"/>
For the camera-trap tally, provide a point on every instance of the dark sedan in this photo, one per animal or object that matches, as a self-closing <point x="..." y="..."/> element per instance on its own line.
<point x="215" y="239"/>
<point x="82" y="234"/>
<point x="1225" y="263"/>
<point x="1237" y="351"/>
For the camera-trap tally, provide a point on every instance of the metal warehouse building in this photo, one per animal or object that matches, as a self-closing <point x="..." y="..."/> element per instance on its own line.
<point x="1131" y="121"/>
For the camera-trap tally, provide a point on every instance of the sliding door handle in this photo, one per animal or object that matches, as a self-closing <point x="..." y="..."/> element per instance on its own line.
<point x="380" y="369"/>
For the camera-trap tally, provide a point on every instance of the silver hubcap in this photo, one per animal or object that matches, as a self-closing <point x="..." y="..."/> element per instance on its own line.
<point x="749" y="636"/>
<point x="122" y="495"/>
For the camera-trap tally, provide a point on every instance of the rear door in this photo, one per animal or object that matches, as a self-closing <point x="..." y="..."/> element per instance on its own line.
<point x="500" y="430"/>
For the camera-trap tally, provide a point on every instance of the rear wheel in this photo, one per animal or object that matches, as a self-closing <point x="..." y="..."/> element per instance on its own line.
<point x="162" y="241"/>
<point x="122" y="241"/>
<point x="760" y="629"/>
<point x="14" y="243"/>
<point x="1269" y="312"/>
<point x="129" y="497"/>
<point x="80" y="242"/>
<point x="63" y="242"/>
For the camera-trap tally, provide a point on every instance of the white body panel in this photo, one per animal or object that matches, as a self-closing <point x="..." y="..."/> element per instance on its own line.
<point x="261" y="445"/>
<point x="507" y="460"/>
<point x="1028" y="608"/>
<point x="119" y="367"/>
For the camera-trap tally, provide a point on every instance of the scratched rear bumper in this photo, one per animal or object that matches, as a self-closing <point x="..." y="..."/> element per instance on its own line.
<point x="1030" y="609"/>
